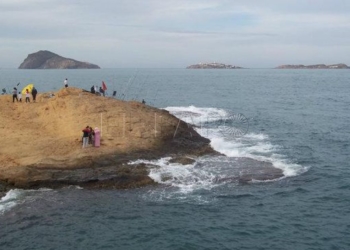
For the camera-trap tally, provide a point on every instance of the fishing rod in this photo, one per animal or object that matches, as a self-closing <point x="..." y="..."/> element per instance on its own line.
<point x="155" y="93"/>
<point x="127" y="87"/>
<point x="136" y="87"/>
<point x="141" y="87"/>
<point x="122" y="91"/>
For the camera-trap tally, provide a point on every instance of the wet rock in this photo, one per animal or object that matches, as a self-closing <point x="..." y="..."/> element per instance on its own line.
<point x="182" y="160"/>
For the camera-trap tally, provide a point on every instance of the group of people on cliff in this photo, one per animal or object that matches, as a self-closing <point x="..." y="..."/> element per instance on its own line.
<point x="17" y="95"/>
<point x="88" y="136"/>
<point x="98" y="91"/>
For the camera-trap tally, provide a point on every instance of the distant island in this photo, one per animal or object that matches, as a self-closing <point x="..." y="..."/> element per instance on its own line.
<point x="316" y="66"/>
<point x="212" y="66"/>
<point x="44" y="59"/>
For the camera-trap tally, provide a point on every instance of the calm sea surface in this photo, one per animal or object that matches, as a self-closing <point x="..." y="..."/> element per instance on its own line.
<point x="297" y="120"/>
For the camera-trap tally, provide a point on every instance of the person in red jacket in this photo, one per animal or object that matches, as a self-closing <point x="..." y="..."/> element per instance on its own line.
<point x="86" y="132"/>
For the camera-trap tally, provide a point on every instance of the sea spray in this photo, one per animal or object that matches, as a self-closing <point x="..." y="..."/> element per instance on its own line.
<point x="209" y="123"/>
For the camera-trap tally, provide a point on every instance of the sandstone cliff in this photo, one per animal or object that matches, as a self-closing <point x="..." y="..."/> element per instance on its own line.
<point x="44" y="59"/>
<point x="41" y="142"/>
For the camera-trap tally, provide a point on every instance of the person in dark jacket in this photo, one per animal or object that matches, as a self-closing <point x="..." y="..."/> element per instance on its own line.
<point x="102" y="91"/>
<point x="34" y="93"/>
<point x="91" y="135"/>
<point x="93" y="89"/>
<point x="14" y="95"/>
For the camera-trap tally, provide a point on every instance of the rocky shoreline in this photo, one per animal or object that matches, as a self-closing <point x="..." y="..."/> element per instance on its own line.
<point x="48" y="152"/>
<point x="58" y="162"/>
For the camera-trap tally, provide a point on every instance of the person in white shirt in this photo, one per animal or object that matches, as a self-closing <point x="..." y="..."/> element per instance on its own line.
<point x="27" y="95"/>
<point x="19" y="96"/>
<point x="66" y="83"/>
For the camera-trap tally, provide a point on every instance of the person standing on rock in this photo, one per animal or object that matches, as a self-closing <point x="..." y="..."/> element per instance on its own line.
<point x="65" y="83"/>
<point x="91" y="135"/>
<point x="102" y="91"/>
<point x="27" y="95"/>
<point x="86" y="132"/>
<point x="34" y="93"/>
<point x="14" y="95"/>
<point x="19" y="96"/>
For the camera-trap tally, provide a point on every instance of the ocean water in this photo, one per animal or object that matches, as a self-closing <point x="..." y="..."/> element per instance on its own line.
<point x="296" y="120"/>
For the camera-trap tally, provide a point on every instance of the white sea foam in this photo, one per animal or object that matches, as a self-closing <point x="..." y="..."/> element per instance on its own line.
<point x="9" y="200"/>
<point x="251" y="145"/>
<point x="198" y="116"/>
<point x="186" y="178"/>
<point x="18" y="196"/>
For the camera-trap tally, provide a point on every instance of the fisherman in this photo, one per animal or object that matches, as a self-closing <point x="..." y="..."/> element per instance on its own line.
<point x="93" y="89"/>
<point x="34" y="93"/>
<point x="102" y="91"/>
<point x="143" y="101"/>
<point x="14" y="94"/>
<point x="65" y="83"/>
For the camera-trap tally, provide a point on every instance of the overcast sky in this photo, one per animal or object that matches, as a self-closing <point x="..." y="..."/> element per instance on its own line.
<point x="177" y="33"/>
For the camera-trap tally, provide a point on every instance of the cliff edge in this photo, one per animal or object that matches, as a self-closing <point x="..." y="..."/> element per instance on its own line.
<point x="44" y="59"/>
<point x="41" y="143"/>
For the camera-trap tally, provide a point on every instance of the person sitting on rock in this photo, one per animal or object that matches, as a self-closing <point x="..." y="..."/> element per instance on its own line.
<point x="93" y="89"/>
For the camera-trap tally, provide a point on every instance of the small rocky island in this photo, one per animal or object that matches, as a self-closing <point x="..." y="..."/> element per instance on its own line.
<point x="316" y="66"/>
<point x="47" y="151"/>
<point x="212" y="66"/>
<point x="44" y="59"/>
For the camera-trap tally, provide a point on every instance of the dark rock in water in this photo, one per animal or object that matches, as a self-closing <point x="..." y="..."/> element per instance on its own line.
<point x="182" y="160"/>
<point x="44" y="59"/>
<point x="248" y="170"/>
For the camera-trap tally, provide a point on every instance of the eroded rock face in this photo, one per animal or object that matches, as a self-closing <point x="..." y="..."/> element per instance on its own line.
<point x="44" y="59"/>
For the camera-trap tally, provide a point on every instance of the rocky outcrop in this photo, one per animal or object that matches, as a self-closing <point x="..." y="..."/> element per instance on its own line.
<point x="212" y="66"/>
<point x="44" y="59"/>
<point x="41" y="142"/>
<point x="316" y="66"/>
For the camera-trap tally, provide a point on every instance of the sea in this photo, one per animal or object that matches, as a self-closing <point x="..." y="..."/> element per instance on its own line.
<point x="294" y="120"/>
